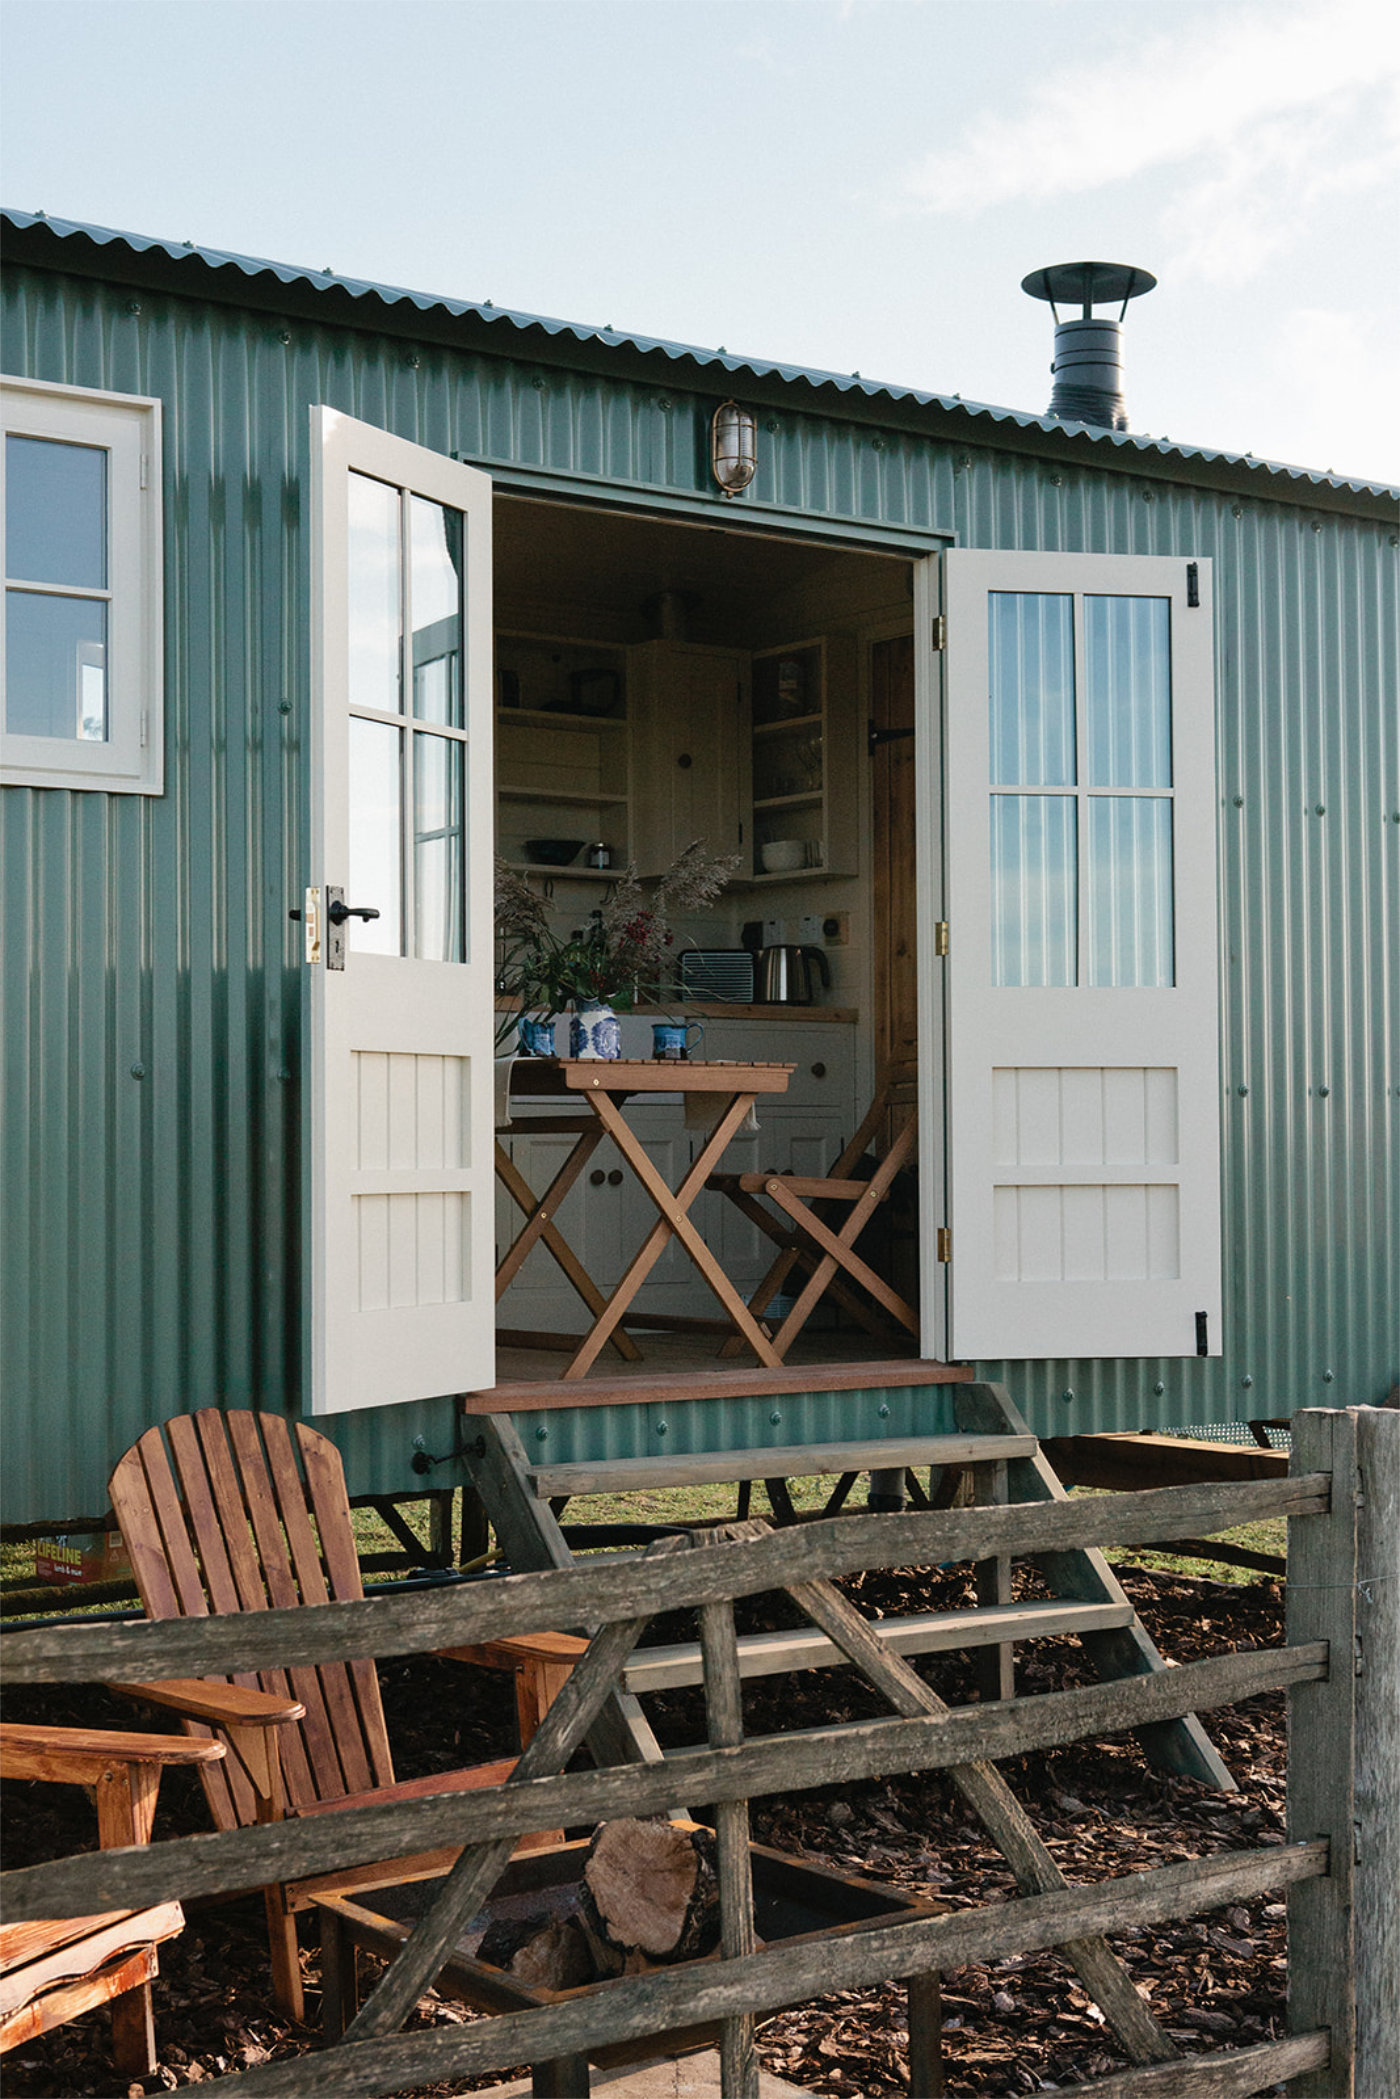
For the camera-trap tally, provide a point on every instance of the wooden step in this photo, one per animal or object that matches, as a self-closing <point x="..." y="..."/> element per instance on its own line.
<point x="926" y="1632"/>
<point x="786" y="1461"/>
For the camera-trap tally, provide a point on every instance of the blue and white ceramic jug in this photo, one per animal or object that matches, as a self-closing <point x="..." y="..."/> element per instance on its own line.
<point x="593" y="1030"/>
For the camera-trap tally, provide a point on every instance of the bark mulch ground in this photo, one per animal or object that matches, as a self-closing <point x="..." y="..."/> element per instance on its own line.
<point x="1023" y="2025"/>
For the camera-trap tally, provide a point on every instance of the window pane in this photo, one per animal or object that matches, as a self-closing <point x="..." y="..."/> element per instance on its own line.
<point x="439" y="848"/>
<point x="1031" y="649"/>
<point x="56" y="666"/>
<point x="1127" y="678"/>
<point x="376" y="621"/>
<point x="376" y="841"/>
<point x="1130" y="890"/>
<point x="1034" y="895"/>
<point x="435" y="539"/>
<point x="55" y="512"/>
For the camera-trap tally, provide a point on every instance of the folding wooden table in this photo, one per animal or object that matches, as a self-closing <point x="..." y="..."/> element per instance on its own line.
<point x="604" y="1086"/>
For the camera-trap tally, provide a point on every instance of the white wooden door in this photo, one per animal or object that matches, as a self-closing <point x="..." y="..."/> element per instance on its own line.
<point x="1081" y="1141"/>
<point x="401" y="1002"/>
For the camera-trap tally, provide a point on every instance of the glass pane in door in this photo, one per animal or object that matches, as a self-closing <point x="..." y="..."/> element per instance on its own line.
<point x="1127" y="691"/>
<point x="439" y="848"/>
<point x="1031" y="664"/>
<point x="1034" y="889"/>
<point x="435" y="593"/>
<point x="1129" y="880"/>
<point x="375" y="596"/>
<point x="55" y="666"/>
<point x="376" y="836"/>
<point x="55" y="512"/>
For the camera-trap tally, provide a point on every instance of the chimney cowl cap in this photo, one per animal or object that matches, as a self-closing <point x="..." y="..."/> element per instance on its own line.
<point x="1088" y="282"/>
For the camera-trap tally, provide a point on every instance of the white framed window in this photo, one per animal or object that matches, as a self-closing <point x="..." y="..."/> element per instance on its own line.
<point x="81" y="641"/>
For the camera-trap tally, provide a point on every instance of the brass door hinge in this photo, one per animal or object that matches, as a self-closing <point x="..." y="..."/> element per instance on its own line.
<point x="945" y="1242"/>
<point x="940" y="936"/>
<point x="940" y="631"/>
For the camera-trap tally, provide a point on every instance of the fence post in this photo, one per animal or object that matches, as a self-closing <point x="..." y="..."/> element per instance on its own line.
<point x="1321" y="1753"/>
<point x="1377" y="1804"/>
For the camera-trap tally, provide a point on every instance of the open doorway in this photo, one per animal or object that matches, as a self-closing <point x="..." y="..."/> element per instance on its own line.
<point x="658" y="682"/>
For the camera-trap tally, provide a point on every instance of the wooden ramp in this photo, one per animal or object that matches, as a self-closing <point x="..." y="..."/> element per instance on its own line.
<point x="992" y="1460"/>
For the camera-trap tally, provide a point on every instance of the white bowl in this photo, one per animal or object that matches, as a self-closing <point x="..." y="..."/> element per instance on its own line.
<point x="783" y="856"/>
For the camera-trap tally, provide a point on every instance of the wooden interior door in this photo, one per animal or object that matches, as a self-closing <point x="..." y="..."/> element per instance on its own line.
<point x="895" y="916"/>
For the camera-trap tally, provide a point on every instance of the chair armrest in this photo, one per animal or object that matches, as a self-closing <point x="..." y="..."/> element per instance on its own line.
<point x="79" y="1755"/>
<point x="220" y="1705"/>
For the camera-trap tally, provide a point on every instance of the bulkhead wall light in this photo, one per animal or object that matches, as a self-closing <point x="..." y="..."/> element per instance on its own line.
<point x="733" y="447"/>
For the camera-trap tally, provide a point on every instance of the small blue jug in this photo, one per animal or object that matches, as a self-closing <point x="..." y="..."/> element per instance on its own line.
<point x="535" y="1036"/>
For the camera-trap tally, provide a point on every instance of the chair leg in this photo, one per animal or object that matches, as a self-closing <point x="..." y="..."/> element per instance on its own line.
<point x="134" y="2033"/>
<point x="282" y="1944"/>
<point x="340" y="1978"/>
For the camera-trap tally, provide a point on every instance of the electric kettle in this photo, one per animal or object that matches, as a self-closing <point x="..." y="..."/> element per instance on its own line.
<point x="787" y="976"/>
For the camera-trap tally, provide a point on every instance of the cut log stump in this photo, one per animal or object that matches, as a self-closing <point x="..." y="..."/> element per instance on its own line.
<point x="651" y="1888"/>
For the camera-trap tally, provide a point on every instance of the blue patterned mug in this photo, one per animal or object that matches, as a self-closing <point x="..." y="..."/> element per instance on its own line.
<point x="535" y="1036"/>
<point x="670" y="1039"/>
<point x="593" y="1030"/>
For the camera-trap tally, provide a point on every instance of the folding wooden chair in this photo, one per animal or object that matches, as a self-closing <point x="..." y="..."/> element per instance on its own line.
<point x="806" y="1224"/>
<point x="241" y="1513"/>
<point x="53" y="1971"/>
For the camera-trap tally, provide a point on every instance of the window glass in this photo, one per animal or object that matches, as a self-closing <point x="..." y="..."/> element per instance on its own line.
<point x="376" y="839"/>
<point x="1130" y="890"/>
<point x="55" y="512"/>
<point x="435" y="542"/>
<point x="1031" y="662"/>
<point x="1034" y="889"/>
<point x="439" y="847"/>
<point x="376" y="617"/>
<point x="1127" y="691"/>
<point x="56" y="666"/>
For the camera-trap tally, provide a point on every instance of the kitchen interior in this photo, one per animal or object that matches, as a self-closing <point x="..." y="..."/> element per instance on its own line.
<point x="658" y="683"/>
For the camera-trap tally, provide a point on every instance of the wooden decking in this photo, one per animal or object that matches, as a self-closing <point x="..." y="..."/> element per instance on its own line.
<point x="676" y="1366"/>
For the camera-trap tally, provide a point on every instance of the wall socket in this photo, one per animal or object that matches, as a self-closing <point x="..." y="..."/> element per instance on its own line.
<point x="835" y="929"/>
<point x="809" y="928"/>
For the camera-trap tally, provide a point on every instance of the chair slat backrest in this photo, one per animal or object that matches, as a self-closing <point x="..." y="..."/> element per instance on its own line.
<point x="230" y="1512"/>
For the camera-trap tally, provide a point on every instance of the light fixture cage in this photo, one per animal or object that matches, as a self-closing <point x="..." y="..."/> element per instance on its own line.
<point x="733" y="447"/>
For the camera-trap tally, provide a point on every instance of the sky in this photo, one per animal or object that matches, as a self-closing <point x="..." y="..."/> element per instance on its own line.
<point x="845" y="184"/>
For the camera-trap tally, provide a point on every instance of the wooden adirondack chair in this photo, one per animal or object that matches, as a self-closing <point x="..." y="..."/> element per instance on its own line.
<point x="52" y="1971"/>
<point x="815" y="1221"/>
<point x="237" y="1512"/>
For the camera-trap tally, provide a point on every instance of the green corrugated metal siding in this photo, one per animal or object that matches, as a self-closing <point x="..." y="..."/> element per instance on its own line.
<point x="151" y="1224"/>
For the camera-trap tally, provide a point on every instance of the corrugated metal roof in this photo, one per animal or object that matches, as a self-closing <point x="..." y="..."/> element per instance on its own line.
<point x="255" y="268"/>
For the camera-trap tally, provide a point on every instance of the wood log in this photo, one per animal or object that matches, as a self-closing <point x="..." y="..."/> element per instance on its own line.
<point x="651" y="1888"/>
<point x="543" y="1952"/>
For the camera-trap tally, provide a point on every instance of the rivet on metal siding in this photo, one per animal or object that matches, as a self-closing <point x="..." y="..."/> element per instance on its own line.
<point x="877" y="444"/>
<point x="662" y="1428"/>
<point x="1239" y="801"/>
<point x="1321" y="809"/>
<point x="775" y="1419"/>
<point x="541" y="1435"/>
<point x="1322" y="1092"/>
<point x="663" y="402"/>
<point x="1242" y="1091"/>
<point x="133" y="305"/>
<point x="1147" y="496"/>
<point x="1327" y="1376"/>
<point x="1246" y="1381"/>
<point x="1317" y="524"/>
<point x="285" y="336"/>
<point x="284" y="706"/>
<point x="1067" y="1395"/>
<point x="538" y="384"/>
<point x="284" y="1078"/>
<point x="1057" y="480"/>
<point x="772" y="426"/>
<point x="884" y="1413"/>
<point x="412" y="360"/>
<point x="138" y="1071"/>
<point x="1237" y="510"/>
<point x="1159" y="1388"/>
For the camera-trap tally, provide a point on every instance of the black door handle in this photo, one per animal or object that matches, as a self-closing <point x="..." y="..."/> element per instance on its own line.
<point x="340" y="911"/>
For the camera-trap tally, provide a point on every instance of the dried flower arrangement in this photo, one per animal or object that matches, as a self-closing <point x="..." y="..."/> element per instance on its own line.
<point x="626" y="952"/>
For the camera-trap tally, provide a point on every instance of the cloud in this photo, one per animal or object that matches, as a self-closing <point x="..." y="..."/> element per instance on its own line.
<point x="1273" y="110"/>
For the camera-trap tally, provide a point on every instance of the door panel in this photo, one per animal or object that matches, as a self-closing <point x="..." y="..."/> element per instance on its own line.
<point x="402" y="1197"/>
<point x="1082" y="1148"/>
